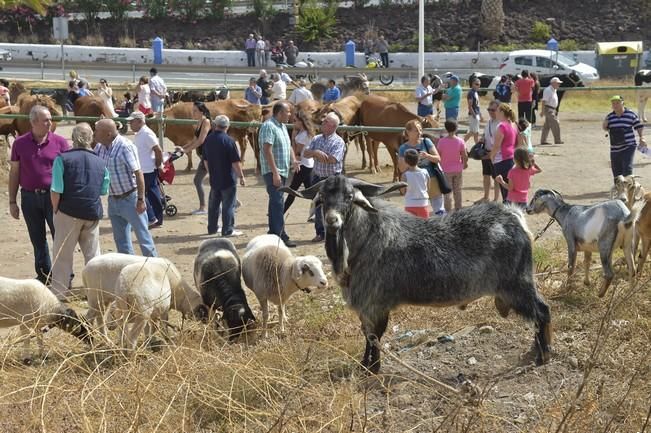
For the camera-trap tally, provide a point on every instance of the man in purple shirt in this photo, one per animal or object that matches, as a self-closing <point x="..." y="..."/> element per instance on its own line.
<point x="32" y="157"/>
<point x="249" y="47"/>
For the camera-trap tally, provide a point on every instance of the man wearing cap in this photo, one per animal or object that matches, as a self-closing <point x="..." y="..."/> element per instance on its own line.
<point x="222" y="161"/>
<point x="79" y="178"/>
<point x="452" y="99"/>
<point x="32" y="157"/>
<point x="158" y="91"/>
<point x="550" y="112"/>
<point x="126" y="202"/>
<point x="150" y="156"/>
<point x="621" y="125"/>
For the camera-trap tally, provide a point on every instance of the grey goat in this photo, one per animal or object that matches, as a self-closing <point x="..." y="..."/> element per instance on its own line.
<point x="482" y="250"/>
<point x="601" y="228"/>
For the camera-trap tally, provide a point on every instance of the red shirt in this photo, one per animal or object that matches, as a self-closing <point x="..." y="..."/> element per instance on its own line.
<point x="36" y="160"/>
<point x="525" y="87"/>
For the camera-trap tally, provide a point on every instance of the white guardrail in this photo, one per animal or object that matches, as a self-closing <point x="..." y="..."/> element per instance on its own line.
<point x="87" y="54"/>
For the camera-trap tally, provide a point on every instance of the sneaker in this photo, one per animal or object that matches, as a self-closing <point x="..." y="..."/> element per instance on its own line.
<point x="544" y="143"/>
<point x="152" y="223"/>
<point x="234" y="233"/>
<point x="199" y="212"/>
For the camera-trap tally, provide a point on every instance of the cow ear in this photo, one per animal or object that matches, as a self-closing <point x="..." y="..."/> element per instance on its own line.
<point x="361" y="201"/>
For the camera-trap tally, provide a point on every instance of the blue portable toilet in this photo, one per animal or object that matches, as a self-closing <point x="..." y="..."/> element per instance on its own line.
<point x="552" y="45"/>
<point x="349" y="50"/>
<point x="157" y="46"/>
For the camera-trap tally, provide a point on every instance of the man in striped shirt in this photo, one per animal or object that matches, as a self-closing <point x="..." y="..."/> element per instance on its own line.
<point x="126" y="202"/>
<point x="621" y="125"/>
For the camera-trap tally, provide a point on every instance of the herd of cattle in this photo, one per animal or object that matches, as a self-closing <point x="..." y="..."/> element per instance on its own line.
<point x="356" y="107"/>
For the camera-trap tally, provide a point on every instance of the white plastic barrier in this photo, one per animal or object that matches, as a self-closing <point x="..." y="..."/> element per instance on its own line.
<point x="433" y="61"/>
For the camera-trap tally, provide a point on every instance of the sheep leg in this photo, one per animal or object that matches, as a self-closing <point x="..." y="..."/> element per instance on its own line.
<point x="646" y="244"/>
<point x="282" y="316"/>
<point x="25" y="330"/>
<point x="264" y="305"/>
<point x="134" y="332"/>
<point x="587" y="260"/>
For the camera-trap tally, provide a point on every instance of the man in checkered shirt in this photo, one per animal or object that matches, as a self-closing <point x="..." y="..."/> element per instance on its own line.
<point x="126" y="202"/>
<point x="328" y="150"/>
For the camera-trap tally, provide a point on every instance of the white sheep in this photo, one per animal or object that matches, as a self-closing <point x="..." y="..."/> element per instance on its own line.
<point x="100" y="276"/>
<point x="271" y="271"/>
<point x="142" y="299"/>
<point x="31" y="305"/>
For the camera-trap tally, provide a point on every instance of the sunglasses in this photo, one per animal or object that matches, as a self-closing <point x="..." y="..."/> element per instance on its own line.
<point x="492" y="110"/>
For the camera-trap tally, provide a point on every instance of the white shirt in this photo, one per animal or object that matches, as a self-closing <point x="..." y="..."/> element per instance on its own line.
<point x="417" y="180"/>
<point x="259" y="45"/>
<point x="550" y="98"/>
<point x="299" y="95"/>
<point x="144" y="96"/>
<point x="284" y="77"/>
<point x="489" y="133"/>
<point x="304" y="139"/>
<point x="422" y="91"/>
<point x="145" y="141"/>
<point x="279" y="90"/>
<point x="157" y="86"/>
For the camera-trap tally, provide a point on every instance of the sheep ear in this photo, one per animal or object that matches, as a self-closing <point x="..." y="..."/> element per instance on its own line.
<point x="360" y="200"/>
<point x="308" y="193"/>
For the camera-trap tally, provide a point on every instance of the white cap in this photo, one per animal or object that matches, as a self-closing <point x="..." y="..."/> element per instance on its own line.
<point x="555" y="80"/>
<point x="137" y="115"/>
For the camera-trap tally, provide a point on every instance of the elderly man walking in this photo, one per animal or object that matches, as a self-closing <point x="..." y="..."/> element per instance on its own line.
<point x="32" y="157"/>
<point x="328" y="150"/>
<point x="79" y="178"/>
<point x="158" y="91"/>
<point x="222" y="161"/>
<point x="126" y="202"/>
<point x="550" y="112"/>
<point x="276" y="160"/>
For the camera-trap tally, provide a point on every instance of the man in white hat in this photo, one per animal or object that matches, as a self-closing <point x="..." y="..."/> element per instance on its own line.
<point x="550" y="112"/>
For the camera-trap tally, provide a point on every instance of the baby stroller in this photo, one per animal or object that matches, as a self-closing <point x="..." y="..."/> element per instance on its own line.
<point x="166" y="176"/>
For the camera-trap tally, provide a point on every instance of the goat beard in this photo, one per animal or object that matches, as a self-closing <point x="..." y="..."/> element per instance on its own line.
<point x="337" y="250"/>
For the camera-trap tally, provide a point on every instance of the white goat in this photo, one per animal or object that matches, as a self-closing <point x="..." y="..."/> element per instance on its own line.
<point x="100" y="277"/>
<point x="31" y="305"/>
<point x="271" y="271"/>
<point x="143" y="298"/>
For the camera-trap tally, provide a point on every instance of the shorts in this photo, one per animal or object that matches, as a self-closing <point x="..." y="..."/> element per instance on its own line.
<point x="145" y="111"/>
<point x="473" y="124"/>
<point x="425" y="110"/>
<point x="487" y="167"/>
<point x="422" y="212"/>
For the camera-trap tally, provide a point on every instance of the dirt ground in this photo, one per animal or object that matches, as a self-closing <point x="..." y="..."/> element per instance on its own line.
<point x="488" y="350"/>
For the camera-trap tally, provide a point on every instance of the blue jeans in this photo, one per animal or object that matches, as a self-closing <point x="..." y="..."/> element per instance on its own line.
<point x="37" y="211"/>
<point x="123" y="215"/>
<point x="226" y="199"/>
<point x="275" y="208"/>
<point x="621" y="163"/>
<point x="318" y="214"/>
<point x="157" y="104"/>
<point x="425" y="110"/>
<point x="153" y="197"/>
<point x="451" y="113"/>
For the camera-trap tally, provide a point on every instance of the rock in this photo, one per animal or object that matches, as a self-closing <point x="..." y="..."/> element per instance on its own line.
<point x="573" y="361"/>
<point x="403" y="400"/>
<point x="471" y="360"/>
<point x="445" y="339"/>
<point x="486" y="329"/>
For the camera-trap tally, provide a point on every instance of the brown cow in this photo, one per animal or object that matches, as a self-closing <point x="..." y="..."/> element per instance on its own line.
<point x="237" y="110"/>
<point x="92" y="106"/>
<point x="8" y="126"/>
<point x="381" y="111"/>
<point x="25" y="103"/>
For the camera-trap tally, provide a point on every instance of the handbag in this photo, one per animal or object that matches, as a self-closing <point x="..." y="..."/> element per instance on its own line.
<point x="478" y="151"/>
<point x="435" y="172"/>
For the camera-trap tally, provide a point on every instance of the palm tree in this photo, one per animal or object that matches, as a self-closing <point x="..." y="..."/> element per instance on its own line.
<point x="492" y="18"/>
<point x="39" y="6"/>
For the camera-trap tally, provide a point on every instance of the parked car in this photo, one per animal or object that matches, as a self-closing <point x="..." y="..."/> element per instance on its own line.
<point x="544" y="62"/>
<point x="4" y="56"/>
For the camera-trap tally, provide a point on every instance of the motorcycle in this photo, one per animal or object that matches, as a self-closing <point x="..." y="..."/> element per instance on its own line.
<point x="307" y="63"/>
<point x="373" y="62"/>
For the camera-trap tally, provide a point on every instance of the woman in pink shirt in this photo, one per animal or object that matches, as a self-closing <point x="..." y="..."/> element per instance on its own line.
<point x="454" y="159"/>
<point x="506" y="138"/>
<point x="519" y="177"/>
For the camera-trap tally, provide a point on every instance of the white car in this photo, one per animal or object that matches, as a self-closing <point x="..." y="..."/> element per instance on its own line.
<point x="544" y="62"/>
<point x="5" y="55"/>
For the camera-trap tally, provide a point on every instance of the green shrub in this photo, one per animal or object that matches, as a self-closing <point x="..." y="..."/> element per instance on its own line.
<point x="316" y="22"/>
<point x="541" y="31"/>
<point x="118" y="9"/>
<point x="190" y="10"/>
<point x="263" y="9"/>
<point x="218" y="8"/>
<point x="154" y="8"/>
<point x="568" y="45"/>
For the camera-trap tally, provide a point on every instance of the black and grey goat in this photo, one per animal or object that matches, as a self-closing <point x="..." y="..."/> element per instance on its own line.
<point x="482" y="250"/>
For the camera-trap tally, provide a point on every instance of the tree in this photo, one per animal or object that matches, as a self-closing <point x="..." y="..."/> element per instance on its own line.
<point x="491" y="18"/>
<point x="38" y="5"/>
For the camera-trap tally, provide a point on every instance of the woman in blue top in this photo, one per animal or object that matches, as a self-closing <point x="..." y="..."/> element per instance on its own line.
<point x="621" y="125"/>
<point x="427" y="155"/>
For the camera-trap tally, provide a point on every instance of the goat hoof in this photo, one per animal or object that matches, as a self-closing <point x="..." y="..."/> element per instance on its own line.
<point x="462" y="307"/>
<point x="542" y="358"/>
<point x="586" y="283"/>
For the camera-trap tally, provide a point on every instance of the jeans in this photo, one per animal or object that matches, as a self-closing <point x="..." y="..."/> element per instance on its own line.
<point x="250" y="57"/>
<point x="153" y="197"/>
<point x="304" y="176"/>
<point x="226" y="199"/>
<point x="503" y="168"/>
<point x="275" y="208"/>
<point x="425" y="110"/>
<point x="157" y="104"/>
<point x="199" y="176"/>
<point x="385" y="59"/>
<point x="37" y="211"/>
<point x="621" y="163"/>
<point x="525" y="110"/>
<point x="123" y="215"/>
<point x="318" y="214"/>
<point x="451" y="113"/>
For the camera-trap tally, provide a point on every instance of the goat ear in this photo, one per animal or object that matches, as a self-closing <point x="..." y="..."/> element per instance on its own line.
<point x="308" y="193"/>
<point x="360" y="200"/>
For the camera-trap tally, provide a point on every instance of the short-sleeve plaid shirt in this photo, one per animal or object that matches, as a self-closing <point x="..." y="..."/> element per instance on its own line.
<point x="122" y="161"/>
<point x="332" y="145"/>
<point x="275" y="133"/>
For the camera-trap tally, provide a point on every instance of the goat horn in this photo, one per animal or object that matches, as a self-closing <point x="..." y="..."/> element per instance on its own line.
<point x="372" y="190"/>
<point x="308" y="193"/>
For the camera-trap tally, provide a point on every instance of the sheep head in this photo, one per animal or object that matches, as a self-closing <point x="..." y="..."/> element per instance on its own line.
<point x="308" y="272"/>
<point x="71" y="323"/>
